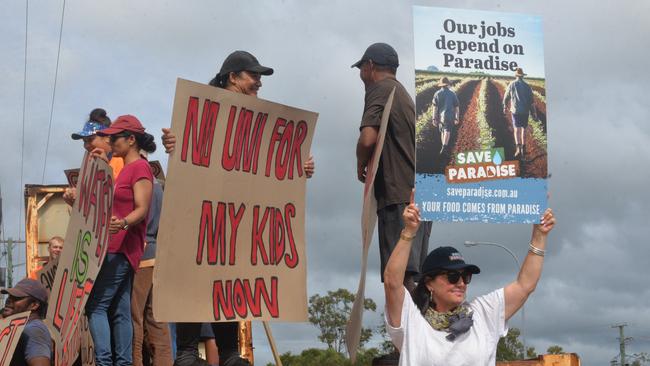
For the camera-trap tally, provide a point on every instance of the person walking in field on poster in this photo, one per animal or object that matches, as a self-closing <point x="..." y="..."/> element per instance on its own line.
<point x="109" y="305"/>
<point x="436" y="325"/>
<point x="445" y="113"/>
<point x="520" y="96"/>
<point x="396" y="173"/>
<point x="240" y="72"/>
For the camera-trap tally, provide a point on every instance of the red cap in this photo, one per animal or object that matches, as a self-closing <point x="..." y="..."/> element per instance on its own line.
<point x="123" y="123"/>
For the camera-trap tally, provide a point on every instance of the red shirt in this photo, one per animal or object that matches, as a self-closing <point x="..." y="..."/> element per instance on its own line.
<point x="129" y="242"/>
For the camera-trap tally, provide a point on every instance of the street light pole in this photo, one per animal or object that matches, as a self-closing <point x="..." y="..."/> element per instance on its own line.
<point x="469" y="243"/>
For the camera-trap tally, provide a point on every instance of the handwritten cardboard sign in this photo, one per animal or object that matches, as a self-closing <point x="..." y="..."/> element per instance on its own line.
<point x="86" y="244"/>
<point x="231" y="244"/>
<point x="157" y="170"/>
<point x="10" y="330"/>
<point x="368" y="221"/>
<point x="72" y="175"/>
<point x="46" y="274"/>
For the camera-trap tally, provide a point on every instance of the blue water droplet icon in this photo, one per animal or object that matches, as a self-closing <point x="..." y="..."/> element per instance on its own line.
<point x="497" y="160"/>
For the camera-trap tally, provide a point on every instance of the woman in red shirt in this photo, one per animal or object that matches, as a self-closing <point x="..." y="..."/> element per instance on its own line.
<point x="109" y="305"/>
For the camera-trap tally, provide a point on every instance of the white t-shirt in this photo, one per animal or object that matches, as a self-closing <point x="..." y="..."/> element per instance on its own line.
<point x="421" y="345"/>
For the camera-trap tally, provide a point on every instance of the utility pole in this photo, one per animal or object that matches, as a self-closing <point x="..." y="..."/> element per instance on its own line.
<point x="622" y="341"/>
<point x="10" y="264"/>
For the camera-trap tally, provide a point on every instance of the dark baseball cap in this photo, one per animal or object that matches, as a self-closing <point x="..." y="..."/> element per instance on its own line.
<point x="446" y="258"/>
<point x="242" y="61"/>
<point x="381" y="54"/>
<point x="28" y="287"/>
<point x="123" y="123"/>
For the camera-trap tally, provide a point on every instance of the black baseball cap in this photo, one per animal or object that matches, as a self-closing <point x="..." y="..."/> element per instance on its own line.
<point x="242" y="61"/>
<point x="28" y="287"/>
<point x="381" y="54"/>
<point x="446" y="258"/>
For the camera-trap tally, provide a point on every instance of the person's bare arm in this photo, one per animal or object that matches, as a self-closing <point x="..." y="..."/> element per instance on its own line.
<point x="365" y="148"/>
<point x="436" y="118"/>
<point x="39" y="361"/>
<point x="396" y="266"/>
<point x="517" y="292"/>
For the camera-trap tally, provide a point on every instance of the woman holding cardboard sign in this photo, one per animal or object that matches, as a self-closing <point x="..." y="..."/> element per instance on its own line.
<point x="436" y="325"/>
<point x="109" y="305"/>
<point x="239" y="73"/>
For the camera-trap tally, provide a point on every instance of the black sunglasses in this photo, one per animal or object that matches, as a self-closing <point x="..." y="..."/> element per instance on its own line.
<point x="454" y="277"/>
<point x="118" y="135"/>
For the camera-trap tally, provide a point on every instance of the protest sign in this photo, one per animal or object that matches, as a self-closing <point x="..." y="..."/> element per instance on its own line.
<point x="491" y="169"/>
<point x="10" y="330"/>
<point x="157" y="170"/>
<point x="46" y="276"/>
<point x="72" y="175"/>
<point x="47" y="273"/>
<point x="231" y="243"/>
<point x="368" y="221"/>
<point x="86" y="241"/>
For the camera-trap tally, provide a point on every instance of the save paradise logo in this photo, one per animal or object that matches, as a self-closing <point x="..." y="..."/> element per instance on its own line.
<point x="475" y="166"/>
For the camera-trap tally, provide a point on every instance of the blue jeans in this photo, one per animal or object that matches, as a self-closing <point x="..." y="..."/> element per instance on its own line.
<point x="109" y="312"/>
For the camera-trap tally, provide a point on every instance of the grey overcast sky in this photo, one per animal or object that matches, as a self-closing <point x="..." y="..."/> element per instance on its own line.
<point x="125" y="56"/>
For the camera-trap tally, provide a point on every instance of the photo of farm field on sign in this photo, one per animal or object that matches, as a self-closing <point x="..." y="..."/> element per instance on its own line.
<point x="483" y="122"/>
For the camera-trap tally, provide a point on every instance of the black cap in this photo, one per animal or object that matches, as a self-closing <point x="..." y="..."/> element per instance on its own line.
<point x="242" y="61"/>
<point x="381" y="54"/>
<point x="446" y="258"/>
<point x="27" y="287"/>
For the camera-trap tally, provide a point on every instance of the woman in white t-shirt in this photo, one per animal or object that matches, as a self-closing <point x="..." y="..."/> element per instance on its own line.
<point x="437" y="326"/>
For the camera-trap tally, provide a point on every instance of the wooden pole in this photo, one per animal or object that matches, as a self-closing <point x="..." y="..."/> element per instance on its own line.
<point x="269" y="335"/>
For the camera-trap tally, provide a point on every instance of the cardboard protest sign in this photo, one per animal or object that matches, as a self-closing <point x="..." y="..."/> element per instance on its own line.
<point x="72" y="175"/>
<point x="231" y="243"/>
<point x="86" y="244"/>
<point x="494" y="165"/>
<point x="368" y="221"/>
<point x="10" y="330"/>
<point x="157" y="170"/>
<point x="46" y="274"/>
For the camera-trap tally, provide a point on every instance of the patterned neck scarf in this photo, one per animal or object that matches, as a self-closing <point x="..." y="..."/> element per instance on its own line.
<point x="454" y="322"/>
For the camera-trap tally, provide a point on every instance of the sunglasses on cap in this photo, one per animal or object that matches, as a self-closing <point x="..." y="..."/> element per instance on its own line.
<point x="454" y="276"/>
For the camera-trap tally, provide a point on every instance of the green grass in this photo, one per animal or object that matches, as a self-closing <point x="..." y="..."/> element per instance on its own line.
<point x="538" y="132"/>
<point x="486" y="137"/>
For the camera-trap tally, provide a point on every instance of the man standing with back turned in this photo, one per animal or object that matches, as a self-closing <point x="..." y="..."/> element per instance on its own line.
<point x="396" y="172"/>
<point x="520" y="96"/>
